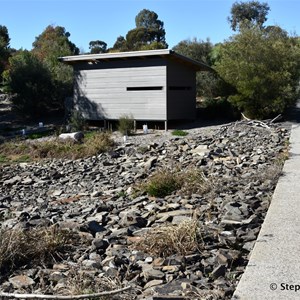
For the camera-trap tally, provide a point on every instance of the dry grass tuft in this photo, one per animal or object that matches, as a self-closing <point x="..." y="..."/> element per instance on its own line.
<point x="19" y="247"/>
<point x="194" y="182"/>
<point x="164" y="241"/>
<point x="88" y="282"/>
<point x="164" y="182"/>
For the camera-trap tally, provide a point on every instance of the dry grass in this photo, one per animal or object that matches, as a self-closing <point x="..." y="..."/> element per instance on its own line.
<point x="194" y="182"/>
<point x="20" y="247"/>
<point x="163" y="241"/>
<point x="87" y="282"/>
<point x="56" y="148"/>
<point x="164" y="182"/>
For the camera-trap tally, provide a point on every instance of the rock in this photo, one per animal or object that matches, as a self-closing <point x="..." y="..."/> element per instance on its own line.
<point x="200" y="150"/>
<point x="153" y="283"/>
<point x="21" y="281"/>
<point x="76" y="136"/>
<point x="149" y="273"/>
<point x="100" y="244"/>
<point x="95" y="199"/>
<point x="218" y="271"/>
<point x="94" y="227"/>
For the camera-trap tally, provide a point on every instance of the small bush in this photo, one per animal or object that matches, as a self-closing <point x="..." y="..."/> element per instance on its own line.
<point x="178" y="132"/>
<point x="163" y="241"/>
<point x="126" y="124"/>
<point x="77" y="122"/>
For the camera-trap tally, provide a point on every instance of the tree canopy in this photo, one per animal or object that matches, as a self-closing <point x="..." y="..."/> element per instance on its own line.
<point x="148" y="34"/>
<point x="39" y="81"/>
<point x="97" y="47"/>
<point x="30" y="80"/>
<point x="4" y="48"/>
<point x="252" y="13"/>
<point x="263" y="66"/>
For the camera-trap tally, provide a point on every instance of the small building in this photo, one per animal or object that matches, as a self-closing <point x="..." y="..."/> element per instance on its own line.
<point x="154" y="85"/>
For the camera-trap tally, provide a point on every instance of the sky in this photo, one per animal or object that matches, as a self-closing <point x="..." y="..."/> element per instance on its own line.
<point x="89" y="20"/>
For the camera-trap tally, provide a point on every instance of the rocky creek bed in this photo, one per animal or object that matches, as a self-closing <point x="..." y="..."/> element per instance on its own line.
<point x="111" y="224"/>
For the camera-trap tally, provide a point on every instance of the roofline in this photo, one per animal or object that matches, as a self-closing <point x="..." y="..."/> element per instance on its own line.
<point x="124" y="55"/>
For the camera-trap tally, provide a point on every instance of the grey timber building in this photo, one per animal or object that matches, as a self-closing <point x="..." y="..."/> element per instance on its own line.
<point x="154" y="85"/>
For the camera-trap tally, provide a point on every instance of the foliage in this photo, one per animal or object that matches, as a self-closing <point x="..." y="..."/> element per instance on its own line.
<point x="126" y="124"/>
<point x="97" y="47"/>
<point x="56" y="148"/>
<point x="4" y="49"/>
<point x="31" y="83"/>
<point x="248" y="13"/>
<point x="52" y="43"/>
<point x="179" y="132"/>
<point x="163" y="241"/>
<point x="148" y="34"/>
<point x="263" y="67"/>
<point x="208" y="84"/>
<point x="120" y="44"/>
<point x="216" y="108"/>
<point x="195" y="49"/>
<point x="77" y="122"/>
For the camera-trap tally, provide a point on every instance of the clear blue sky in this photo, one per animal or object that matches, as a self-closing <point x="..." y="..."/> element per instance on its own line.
<point x="105" y="20"/>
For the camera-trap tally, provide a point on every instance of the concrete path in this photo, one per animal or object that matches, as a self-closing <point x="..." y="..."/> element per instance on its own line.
<point x="273" y="271"/>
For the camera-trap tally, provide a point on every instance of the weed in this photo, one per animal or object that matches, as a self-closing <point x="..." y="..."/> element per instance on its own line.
<point x="126" y="124"/>
<point x="178" y="132"/>
<point x="163" y="241"/>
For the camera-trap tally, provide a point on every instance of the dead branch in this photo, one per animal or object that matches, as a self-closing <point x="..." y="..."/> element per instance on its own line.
<point x="245" y="117"/>
<point x="276" y="118"/>
<point x="46" y="297"/>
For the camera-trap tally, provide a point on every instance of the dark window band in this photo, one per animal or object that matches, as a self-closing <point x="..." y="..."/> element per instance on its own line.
<point x="144" y="88"/>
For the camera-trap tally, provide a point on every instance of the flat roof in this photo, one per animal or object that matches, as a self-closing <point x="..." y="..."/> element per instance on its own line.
<point x="166" y="53"/>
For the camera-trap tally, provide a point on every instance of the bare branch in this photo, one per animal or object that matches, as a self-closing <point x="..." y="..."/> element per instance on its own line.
<point x="46" y="297"/>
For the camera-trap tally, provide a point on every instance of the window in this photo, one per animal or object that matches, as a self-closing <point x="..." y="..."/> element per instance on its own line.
<point x="144" y="88"/>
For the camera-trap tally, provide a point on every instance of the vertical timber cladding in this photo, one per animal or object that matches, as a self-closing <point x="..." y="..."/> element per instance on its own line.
<point x="181" y="94"/>
<point x="109" y="89"/>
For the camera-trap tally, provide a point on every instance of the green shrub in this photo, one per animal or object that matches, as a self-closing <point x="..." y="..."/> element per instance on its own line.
<point x="162" y="183"/>
<point x="178" y="132"/>
<point x="126" y="124"/>
<point x="77" y="122"/>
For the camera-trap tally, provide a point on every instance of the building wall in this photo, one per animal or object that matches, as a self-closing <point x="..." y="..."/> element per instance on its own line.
<point x="181" y="93"/>
<point x="109" y="89"/>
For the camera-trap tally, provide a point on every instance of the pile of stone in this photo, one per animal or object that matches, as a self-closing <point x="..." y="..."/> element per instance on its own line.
<point x="95" y="197"/>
